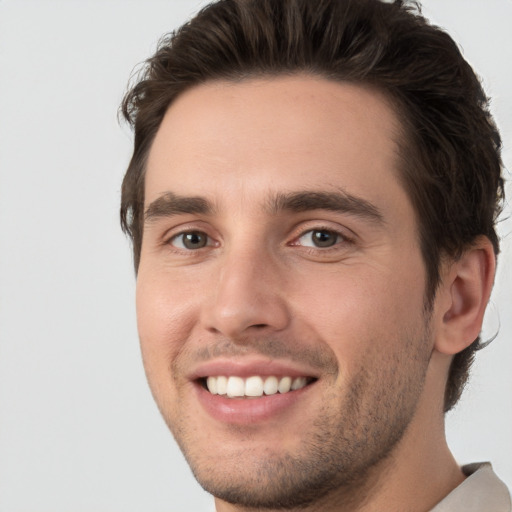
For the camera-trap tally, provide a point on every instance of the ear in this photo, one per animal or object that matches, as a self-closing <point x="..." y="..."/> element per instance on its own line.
<point x="463" y="296"/>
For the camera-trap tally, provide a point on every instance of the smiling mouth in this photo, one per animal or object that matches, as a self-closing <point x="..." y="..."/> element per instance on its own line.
<point x="253" y="387"/>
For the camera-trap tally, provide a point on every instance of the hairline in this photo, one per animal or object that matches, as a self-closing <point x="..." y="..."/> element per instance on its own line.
<point x="403" y="142"/>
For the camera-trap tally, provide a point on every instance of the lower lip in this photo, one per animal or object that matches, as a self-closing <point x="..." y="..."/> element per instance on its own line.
<point x="245" y="411"/>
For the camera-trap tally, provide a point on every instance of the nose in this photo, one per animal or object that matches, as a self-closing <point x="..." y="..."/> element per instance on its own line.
<point x="248" y="295"/>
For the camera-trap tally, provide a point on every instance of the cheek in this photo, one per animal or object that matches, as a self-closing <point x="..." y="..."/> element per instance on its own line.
<point x="360" y="312"/>
<point x="164" y="321"/>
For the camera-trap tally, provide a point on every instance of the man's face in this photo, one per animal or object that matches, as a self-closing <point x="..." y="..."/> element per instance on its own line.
<point x="279" y="246"/>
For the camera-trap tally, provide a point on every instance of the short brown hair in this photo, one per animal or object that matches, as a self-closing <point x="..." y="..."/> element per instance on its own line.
<point x="450" y="152"/>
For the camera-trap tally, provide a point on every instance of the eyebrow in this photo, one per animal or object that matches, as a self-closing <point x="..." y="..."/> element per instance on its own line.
<point x="333" y="201"/>
<point x="170" y="204"/>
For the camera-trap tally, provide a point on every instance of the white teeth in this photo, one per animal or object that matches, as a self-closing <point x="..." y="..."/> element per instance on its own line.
<point x="222" y="385"/>
<point x="211" y="384"/>
<point x="285" y="385"/>
<point x="254" y="386"/>
<point x="236" y="387"/>
<point x="298" y="383"/>
<point x="270" y="385"/>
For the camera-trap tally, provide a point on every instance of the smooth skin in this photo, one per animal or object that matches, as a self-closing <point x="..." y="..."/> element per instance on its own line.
<point x="233" y="272"/>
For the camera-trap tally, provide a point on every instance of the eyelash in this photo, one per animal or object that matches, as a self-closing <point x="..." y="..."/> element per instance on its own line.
<point x="341" y="239"/>
<point x="182" y="234"/>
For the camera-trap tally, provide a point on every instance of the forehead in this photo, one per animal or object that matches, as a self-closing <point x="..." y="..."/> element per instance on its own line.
<point x="265" y="135"/>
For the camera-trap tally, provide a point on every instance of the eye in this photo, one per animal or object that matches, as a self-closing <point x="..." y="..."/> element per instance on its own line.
<point x="190" y="240"/>
<point x="320" y="238"/>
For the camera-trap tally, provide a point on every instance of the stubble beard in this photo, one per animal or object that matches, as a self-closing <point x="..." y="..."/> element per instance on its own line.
<point x="340" y="453"/>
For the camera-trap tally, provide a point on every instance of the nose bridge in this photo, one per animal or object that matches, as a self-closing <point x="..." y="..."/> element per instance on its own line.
<point x="247" y="292"/>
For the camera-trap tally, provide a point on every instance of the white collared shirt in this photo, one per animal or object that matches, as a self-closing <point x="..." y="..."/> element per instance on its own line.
<point x="482" y="491"/>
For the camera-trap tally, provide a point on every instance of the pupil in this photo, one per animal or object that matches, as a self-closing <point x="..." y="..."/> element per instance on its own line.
<point x="324" y="238"/>
<point x="194" y="240"/>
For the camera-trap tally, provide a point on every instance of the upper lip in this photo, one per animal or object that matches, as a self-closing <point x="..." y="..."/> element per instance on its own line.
<point x="249" y="367"/>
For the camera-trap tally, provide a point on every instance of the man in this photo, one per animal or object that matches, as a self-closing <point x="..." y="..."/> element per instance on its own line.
<point x="311" y="199"/>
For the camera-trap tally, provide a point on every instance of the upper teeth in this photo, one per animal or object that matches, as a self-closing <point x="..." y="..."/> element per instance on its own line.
<point x="253" y="386"/>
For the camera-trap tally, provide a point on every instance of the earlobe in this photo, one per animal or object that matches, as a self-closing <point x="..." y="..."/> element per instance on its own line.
<point x="466" y="288"/>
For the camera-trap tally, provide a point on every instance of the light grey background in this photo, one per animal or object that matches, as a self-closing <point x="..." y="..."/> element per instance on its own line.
<point x="78" y="429"/>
